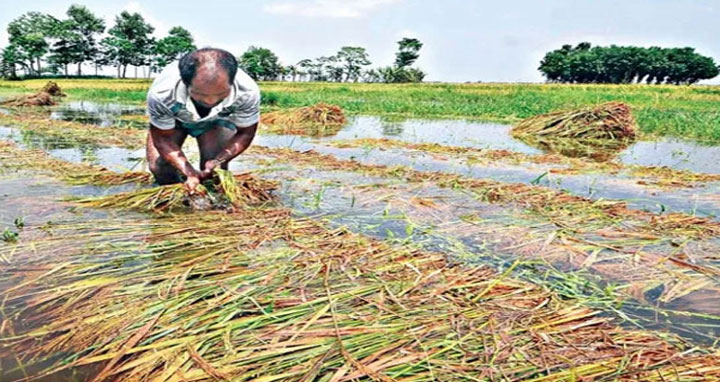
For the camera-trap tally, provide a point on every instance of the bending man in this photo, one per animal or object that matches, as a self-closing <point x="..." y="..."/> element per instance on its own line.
<point x="206" y="96"/>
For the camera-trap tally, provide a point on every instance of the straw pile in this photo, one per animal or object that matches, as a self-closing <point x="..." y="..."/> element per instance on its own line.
<point x="42" y="98"/>
<point x="595" y="132"/>
<point x="53" y="89"/>
<point x="225" y="191"/>
<point x="318" y="120"/>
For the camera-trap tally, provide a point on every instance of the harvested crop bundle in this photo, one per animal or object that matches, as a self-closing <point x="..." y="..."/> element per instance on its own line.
<point x="597" y="132"/>
<point x="39" y="99"/>
<point x="53" y="89"/>
<point x="611" y="120"/>
<point x="224" y="191"/>
<point x="42" y="98"/>
<point x="317" y="120"/>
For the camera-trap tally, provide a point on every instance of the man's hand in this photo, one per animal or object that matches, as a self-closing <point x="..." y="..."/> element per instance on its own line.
<point x="210" y="166"/>
<point x="193" y="180"/>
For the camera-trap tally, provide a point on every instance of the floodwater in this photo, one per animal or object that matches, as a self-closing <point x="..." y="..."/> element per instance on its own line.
<point x="701" y="201"/>
<point x="379" y="207"/>
<point x="101" y="114"/>
<point x="671" y="152"/>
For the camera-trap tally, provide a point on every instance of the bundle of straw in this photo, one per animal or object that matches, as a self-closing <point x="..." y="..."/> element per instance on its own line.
<point x="42" y="98"/>
<point x="597" y="132"/>
<point x="53" y="89"/>
<point x="224" y="191"/>
<point x="318" y="120"/>
<point x="611" y="120"/>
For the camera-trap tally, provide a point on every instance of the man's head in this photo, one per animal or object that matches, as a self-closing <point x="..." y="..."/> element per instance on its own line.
<point x="208" y="74"/>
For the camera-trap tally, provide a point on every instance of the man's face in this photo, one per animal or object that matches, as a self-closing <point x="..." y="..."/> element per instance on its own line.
<point x="209" y="89"/>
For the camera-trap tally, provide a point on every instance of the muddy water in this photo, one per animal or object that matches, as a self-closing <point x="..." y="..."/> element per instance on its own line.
<point x="424" y="215"/>
<point x="701" y="201"/>
<point x="101" y="114"/>
<point x="674" y="153"/>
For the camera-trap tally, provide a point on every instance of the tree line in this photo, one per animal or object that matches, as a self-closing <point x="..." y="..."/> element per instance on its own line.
<point x="614" y="64"/>
<point x="41" y="44"/>
<point x="349" y="64"/>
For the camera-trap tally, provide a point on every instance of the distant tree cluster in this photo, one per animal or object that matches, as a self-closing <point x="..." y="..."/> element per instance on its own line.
<point x="347" y="65"/>
<point x="36" y="38"/>
<point x="626" y="64"/>
<point x="40" y="44"/>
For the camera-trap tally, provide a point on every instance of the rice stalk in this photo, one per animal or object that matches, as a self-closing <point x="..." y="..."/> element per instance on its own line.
<point x="319" y="120"/>
<point x="224" y="191"/>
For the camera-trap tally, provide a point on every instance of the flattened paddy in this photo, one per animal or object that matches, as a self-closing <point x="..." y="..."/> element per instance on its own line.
<point x="407" y="250"/>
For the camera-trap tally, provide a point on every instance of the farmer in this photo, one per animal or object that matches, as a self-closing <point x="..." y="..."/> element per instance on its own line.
<point x="206" y="96"/>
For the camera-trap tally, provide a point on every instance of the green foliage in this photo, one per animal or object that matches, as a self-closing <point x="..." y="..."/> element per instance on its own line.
<point x="393" y="74"/>
<point x="260" y="63"/>
<point x="29" y="35"/>
<point x="9" y="236"/>
<point x="353" y="58"/>
<point x="10" y="59"/>
<point x="408" y="52"/>
<point x="79" y="32"/>
<point x="401" y="72"/>
<point x="130" y="42"/>
<point x="626" y="64"/>
<point x="168" y="49"/>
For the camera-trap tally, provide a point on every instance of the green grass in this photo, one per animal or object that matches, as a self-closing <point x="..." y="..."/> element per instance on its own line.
<point x="682" y="111"/>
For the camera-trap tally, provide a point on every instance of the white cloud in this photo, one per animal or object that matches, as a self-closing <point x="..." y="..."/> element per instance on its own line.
<point x="327" y="8"/>
<point x="161" y="27"/>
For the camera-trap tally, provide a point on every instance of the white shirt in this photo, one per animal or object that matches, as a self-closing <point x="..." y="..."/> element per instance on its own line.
<point x="168" y="101"/>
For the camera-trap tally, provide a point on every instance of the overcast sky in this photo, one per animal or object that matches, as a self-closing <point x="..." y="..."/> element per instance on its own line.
<point x="465" y="40"/>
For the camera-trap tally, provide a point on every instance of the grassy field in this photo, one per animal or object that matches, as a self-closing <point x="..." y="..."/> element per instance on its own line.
<point x="332" y="265"/>
<point x="681" y="111"/>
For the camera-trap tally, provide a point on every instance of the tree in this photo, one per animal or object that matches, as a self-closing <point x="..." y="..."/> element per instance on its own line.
<point x="408" y="52"/>
<point x="83" y="26"/>
<point x="260" y="63"/>
<point x="626" y="64"/>
<point x="168" y="49"/>
<point x="66" y="49"/>
<point x="393" y="74"/>
<point x="293" y="71"/>
<point x="129" y="42"/>
<point x="353" y="59"/>
<point x="329" y="68"/>
<point x="29" y="34"/>
<point x="307" y="65"/>
<point x="10" y="59"/>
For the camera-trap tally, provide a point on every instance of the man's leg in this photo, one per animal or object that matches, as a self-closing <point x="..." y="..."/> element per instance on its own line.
<point x="163" y="171"/>
<point x="212" y="142"/>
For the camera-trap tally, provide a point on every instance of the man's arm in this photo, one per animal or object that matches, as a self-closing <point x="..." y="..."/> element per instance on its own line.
<point x="173" y="154"/>
<point x="235" y="146"/>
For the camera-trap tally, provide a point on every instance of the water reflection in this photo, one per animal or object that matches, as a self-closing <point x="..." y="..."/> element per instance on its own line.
<point x="100" y="114"/>
<point x="674" y="153"/>
<point x="447" y="132"/>
<point x="671" y="152"/>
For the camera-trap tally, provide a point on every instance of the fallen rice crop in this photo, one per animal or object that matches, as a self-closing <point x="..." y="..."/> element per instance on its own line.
<point x="318" y="120"/>
<point x="259" y="295"/>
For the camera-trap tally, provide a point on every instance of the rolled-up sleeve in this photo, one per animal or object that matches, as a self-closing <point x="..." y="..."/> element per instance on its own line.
<point x="160" y="115"/>
<point x="246" y="109"/>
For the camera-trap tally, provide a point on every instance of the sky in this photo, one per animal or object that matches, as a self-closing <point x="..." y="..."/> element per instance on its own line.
<point x="464" y="40"/>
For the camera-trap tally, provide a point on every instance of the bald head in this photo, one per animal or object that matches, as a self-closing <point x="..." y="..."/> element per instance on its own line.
<point x="209" y="62"/>
<point x="208" y="73"/>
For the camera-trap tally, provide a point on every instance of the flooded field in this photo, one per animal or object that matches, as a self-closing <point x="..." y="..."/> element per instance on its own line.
<point x="391" y="250"/>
